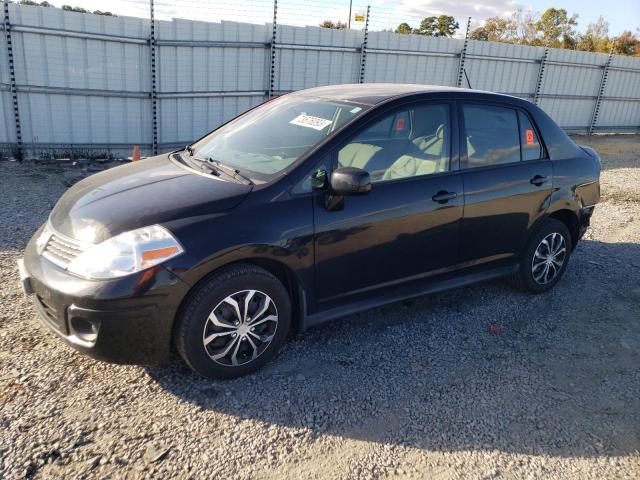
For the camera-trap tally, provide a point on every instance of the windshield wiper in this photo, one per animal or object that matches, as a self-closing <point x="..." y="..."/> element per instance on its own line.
<point x="229" y="170"/>
<point x="201" y="163"/>
<point x="210" y="169"/>
<point x="215" y="167"/>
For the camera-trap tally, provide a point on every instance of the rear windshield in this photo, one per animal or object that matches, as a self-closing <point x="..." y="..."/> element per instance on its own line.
<point x="271" y="137"/>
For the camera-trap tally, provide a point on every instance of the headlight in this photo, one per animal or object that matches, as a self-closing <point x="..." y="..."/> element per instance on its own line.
<point x="126" y="253"/>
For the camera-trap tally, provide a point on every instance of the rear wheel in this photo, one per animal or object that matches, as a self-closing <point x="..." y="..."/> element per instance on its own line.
<point x="545" y="258"/>
<point x="234" y="323"/>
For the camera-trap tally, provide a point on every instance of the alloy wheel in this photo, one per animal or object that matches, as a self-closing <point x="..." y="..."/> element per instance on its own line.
<point x="240" y="328"/>
<point x="548" y="258"/>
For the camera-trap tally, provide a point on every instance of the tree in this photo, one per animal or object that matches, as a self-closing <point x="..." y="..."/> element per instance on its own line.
<point x="626" y="44"/>
<point x="555" y="25"/>
<point x="404" y="28"/>
<point x="330" y="24"/>
<point x="106" y="14"/>
<point x="596" y="37"/>
<point x="479" y="33"/>
<point x="69" y="8"/>
<point x="526" y="31"/>
<point x="36" y="4"/>
<point x="442" y="26"/>
<point x="496" y="29"/>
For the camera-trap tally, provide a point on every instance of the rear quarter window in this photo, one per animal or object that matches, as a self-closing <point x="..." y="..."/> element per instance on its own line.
<point x="531" y="147"/>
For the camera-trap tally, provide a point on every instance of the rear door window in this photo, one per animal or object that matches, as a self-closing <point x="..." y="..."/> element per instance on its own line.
<point x="531" y="147"/>
<point x="492" y="135"/>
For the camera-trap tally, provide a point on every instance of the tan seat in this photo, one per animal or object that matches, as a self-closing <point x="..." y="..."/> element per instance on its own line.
<point x="408" y="166"/>
<point x="431" y="144"/>
<point x="357" y="155"/>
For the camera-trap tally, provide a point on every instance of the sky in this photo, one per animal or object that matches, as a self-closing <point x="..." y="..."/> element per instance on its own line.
<point x="621" y="14"/>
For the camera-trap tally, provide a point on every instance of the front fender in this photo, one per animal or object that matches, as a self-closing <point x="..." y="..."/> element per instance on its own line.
<point x="293" y="259"/>
<point x="268" y="229"/>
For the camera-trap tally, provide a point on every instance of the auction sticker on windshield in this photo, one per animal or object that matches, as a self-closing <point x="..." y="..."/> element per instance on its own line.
<point x="310" y="121"/>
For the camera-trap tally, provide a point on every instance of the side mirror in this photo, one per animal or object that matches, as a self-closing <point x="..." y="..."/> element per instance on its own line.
<point x="350" y="181"/>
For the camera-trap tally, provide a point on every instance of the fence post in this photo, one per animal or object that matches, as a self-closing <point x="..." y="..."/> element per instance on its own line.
<point x="12" y="78"/>
<point x="154" y="92"/>
<point x="463" y="53"/>
<point x="272" y="68"/>
<point x="363" y="50"/>
<point x="543" y="64"/>
<point x="603" y="84"/>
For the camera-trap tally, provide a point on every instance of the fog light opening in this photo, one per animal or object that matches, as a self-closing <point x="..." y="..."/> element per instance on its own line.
<point x="84" y="330"/>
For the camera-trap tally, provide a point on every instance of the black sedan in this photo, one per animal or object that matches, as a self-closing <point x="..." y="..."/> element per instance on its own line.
<point x="311" y="206"/>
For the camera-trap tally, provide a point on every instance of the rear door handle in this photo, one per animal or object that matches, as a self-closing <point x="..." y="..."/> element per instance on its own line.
<point x="443" y="196"/>
<point x="539" y="180"/>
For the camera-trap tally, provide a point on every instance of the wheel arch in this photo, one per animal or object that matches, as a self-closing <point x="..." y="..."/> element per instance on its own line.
<point x="291" y="282"/>
<point x="283" y="272"/>
<point x="570" y="220"/>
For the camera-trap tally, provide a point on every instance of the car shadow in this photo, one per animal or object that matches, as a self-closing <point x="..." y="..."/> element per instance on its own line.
<point x="484" y="367"/>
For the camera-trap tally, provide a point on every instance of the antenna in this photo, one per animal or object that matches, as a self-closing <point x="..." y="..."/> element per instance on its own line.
<point x="464" y="70"/>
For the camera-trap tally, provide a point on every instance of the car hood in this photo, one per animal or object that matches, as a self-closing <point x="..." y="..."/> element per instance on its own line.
<point x="138" y="194"/>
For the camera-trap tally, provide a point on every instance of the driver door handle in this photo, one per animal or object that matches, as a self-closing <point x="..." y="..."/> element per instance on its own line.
<point x="539" y="180"/>
<point x="443" y="196"/>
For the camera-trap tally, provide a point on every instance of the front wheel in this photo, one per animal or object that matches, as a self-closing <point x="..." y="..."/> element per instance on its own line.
<point x="234" y="323"/>
<point x="545" y="257"/>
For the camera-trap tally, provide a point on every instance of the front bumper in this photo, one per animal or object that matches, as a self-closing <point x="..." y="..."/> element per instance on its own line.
<point x="126" y="320"/>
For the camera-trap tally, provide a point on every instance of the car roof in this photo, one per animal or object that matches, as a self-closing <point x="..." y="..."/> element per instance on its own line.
<point x="374" y="93"/>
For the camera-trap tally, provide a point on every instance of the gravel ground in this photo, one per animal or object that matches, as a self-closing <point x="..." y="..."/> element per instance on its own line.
<point x="479" y="382"/>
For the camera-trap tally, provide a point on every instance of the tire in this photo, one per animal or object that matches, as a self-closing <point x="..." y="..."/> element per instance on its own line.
<point x="213" y="322"/>
<point x="531" y="275"/>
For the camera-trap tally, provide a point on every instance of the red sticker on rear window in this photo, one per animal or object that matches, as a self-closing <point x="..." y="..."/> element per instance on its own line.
<point x="400" y="123"/>
<point x="529" y="136"/>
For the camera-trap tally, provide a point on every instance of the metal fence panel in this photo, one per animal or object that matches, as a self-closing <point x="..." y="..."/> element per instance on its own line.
<point x="81" y="79"/>
<point x="7" y="128"/>
<point x="4" y="70"/>
<point x="573" y="73"/>
<point x="621" y="105"/>
<point x="201" y="57"/>
<point x="183" y="120"/>
<point x="571" y="114"/>
<point x="621" y="114"/>
<point x="65" y="120"/>
<point x="208" y="73"/>
<point x="7" y="124"/>
<point x="576" y="76"/>
<point x="65" y="21"/>
<point x="393" y="58"/>
<point x="505" y="68"/>
<point x="313" y="56"/>
<point x="623" y="84"/>
<point x="84" y="80"/>
<point x="78" y="63"/>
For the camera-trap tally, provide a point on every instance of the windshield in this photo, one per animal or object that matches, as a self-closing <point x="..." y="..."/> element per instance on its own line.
<point x="271" y="137"/>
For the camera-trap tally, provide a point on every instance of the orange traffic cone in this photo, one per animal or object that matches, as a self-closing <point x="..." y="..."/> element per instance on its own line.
<point x="136" y="153"/>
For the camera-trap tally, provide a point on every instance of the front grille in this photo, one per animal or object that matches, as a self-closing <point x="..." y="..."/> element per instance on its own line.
<point x="49" y="314"/>
<point x="61" y="250"/>
<point x="49" y="311"/>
